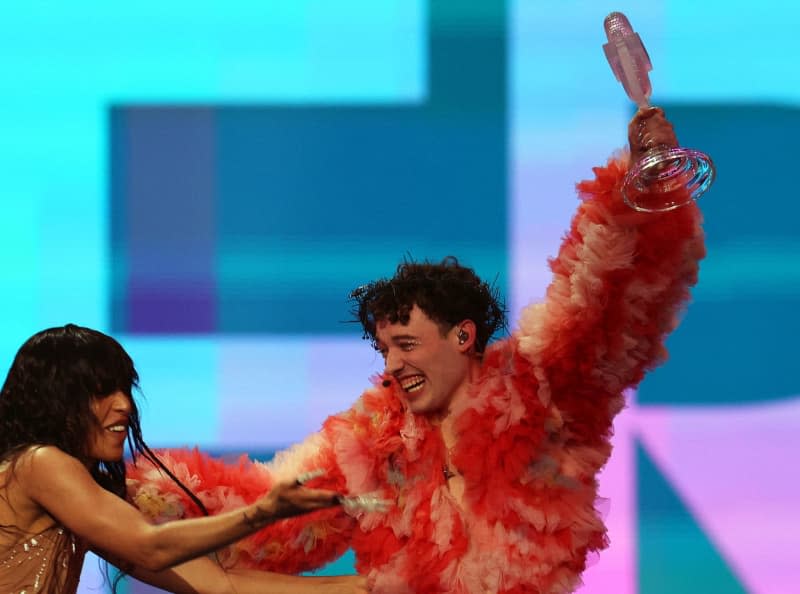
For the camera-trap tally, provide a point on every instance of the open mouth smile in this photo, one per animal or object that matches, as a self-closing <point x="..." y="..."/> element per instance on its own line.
<point x="412" y="384"/>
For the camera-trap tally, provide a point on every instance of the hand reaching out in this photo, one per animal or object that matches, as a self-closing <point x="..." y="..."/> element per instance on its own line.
<point x="347" y="584"/>
<point x="288" y="498"/>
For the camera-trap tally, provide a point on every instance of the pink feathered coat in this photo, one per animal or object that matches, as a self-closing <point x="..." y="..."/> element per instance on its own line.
<point x="532" y="436"/>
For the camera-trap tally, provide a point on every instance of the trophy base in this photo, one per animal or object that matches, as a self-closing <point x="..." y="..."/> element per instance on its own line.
<point x="667" y="178"/>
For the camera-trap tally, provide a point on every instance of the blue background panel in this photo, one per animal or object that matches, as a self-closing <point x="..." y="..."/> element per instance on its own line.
<point x="209" y="182"/>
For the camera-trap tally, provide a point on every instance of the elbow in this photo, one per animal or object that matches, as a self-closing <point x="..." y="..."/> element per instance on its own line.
<point x="156" y="562"/>
<point x="154" y="555"/>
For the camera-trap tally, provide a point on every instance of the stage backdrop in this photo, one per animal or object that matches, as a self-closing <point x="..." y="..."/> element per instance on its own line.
<point x="208" y="183"/>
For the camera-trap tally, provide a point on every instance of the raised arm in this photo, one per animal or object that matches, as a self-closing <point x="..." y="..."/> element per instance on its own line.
<point x="620" y="281"/>
<point x="62" y="486"/>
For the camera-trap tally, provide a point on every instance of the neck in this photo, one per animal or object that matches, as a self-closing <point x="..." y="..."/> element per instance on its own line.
<point x="446" y="413"/>
<point x="445" y="418"/>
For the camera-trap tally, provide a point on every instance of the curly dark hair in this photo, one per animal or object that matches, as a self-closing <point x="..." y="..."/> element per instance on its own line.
<point x="447" y="292"/>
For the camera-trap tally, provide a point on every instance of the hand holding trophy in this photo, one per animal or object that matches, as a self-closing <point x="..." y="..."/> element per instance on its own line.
<point x="665" y="177"/>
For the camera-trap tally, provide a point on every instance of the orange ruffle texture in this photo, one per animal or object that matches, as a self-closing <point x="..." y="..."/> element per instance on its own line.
<point x="533" y="432"/>
<point x="289" y="546"/>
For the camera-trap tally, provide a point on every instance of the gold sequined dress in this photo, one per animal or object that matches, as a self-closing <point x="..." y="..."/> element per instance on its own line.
<point x="49" y="561"/>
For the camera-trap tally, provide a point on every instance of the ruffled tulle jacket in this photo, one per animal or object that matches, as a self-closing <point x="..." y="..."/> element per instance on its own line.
<point x="532" y="435"/>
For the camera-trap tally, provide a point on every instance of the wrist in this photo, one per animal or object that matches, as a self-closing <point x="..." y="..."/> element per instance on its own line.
<point x="255" y="516"/>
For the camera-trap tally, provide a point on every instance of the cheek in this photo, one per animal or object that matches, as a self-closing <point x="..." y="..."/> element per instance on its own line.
<point x="97" y="409"/>
<point x="454" y="367"/>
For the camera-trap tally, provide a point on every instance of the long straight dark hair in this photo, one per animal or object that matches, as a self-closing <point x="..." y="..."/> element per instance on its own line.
<point x="46" y="400"/>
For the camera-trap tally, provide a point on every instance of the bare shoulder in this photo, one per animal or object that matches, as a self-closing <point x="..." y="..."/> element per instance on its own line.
<point x="44" y="462"/>
<point x="45" y="454"/>
<point x="31" y="469"/>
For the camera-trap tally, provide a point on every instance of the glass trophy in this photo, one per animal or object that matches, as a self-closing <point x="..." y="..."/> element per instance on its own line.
<point x="665" y="178"/>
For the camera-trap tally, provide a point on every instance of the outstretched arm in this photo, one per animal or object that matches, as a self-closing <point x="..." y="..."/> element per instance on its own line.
<point x="620" y="281"/>
<point x="63" y="487"/>
<point x="204" y="576"/>
<point x="289" y="546"/>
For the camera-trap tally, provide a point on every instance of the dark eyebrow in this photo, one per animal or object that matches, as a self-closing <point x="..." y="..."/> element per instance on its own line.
<point x="379" y="344"/>
<point x="400" y="337"/>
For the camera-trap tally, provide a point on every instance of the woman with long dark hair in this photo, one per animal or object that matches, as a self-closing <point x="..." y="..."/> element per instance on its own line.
<point x="66" y="411"/>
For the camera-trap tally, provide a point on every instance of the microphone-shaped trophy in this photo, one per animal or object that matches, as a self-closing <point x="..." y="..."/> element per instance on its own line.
<point x="665" y="178"/>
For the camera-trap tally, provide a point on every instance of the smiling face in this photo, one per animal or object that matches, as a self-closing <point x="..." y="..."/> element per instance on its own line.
<point x="107" y="437"/>
<point x="430" y="367"/>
